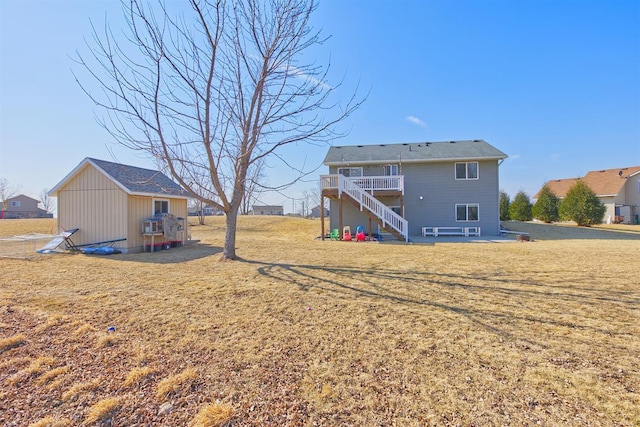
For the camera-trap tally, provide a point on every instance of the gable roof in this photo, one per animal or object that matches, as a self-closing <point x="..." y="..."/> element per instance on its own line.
<point x="607" y="182"/>
<point x="22" y="197"/>
<point x="419" y="152"/>
<point x="131" y="179"/>
<point x="559" y="187"/>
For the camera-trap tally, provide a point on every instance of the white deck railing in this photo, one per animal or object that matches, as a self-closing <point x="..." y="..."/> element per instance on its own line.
<point x="368" y="183"/>
<point x="366" y="200"/>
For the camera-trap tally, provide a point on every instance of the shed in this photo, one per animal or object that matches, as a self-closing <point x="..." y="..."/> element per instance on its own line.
<point x="109" y="201"/>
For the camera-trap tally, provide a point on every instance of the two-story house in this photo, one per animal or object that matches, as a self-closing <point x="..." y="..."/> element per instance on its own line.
<point x="408" y="189"/>
<point x="22" y="206"/>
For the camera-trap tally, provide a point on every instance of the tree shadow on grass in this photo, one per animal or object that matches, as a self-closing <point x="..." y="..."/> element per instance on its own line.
<point x="186" y="253"/>
<point x="461" y="294"/>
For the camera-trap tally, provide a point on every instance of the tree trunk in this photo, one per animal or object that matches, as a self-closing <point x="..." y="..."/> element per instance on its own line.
<point x="229" y="251"/>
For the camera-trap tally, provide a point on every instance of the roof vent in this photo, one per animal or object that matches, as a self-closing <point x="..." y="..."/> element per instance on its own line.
<point x="405" y="144"/>
<point x="382" y="145"/>
<point x="359" y="146"/>
<point x="452" y="142"/>
<point x="476" y="140"/>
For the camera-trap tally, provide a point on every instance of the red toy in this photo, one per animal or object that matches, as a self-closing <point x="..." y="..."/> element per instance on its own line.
<point x="346" y="233"/>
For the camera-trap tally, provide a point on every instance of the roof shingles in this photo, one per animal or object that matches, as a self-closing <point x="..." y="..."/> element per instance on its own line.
<point x="608" y="182"/>
<point x="412" y="152"/>
<point x="139" y="180"/>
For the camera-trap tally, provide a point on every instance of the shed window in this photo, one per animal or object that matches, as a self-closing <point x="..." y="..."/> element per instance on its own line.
<point x="468" y="212"/>
<point x="468" y="170"/>
<point x="160" y="207"/>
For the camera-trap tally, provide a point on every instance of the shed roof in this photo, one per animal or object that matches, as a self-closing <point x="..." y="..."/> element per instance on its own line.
<point x="606" y="182"/>
<point x="417" y="152"/>
<point x="132" y="179"/>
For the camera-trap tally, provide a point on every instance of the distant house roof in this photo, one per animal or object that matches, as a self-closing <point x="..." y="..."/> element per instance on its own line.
<point x="607" y="182"/>
<point x="133" y="180"/>
<point x="476" y="149"/>
<point x="22" y="197"/>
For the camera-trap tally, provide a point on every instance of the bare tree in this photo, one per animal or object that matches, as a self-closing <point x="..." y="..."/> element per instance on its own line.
<point x="198" y="205"/>
<point x="214" y="90"/>
<point x="46" y="201"/>
<point x="254" y="185"/>
<point x="308" y="202"/>
<point x="6" y="192"/>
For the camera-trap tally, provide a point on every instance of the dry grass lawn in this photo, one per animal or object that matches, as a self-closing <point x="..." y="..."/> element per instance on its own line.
<point x="303" y="332"/>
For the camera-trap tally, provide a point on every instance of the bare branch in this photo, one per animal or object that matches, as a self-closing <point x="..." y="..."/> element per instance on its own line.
<point x="213" y="92"/>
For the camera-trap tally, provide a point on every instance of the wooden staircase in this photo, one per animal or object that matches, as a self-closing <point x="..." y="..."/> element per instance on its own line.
<point x="373" y="208"/>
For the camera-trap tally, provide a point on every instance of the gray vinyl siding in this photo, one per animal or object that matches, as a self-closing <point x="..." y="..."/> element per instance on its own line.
<point x="440" y="191"/>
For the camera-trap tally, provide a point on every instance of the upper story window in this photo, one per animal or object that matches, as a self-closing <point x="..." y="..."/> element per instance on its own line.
<point x="15" y="204"/>
<point x="350" y="172"/>
<point x="467" y="170"/>
<point x="160" y="207"/>
<point x="391" y="170"/>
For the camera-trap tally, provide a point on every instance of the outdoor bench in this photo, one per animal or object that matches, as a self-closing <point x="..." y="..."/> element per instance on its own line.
<point x="450" y="231"/>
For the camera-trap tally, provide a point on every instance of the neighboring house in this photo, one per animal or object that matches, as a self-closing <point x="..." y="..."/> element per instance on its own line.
<point x="405" y="187"/>
<point x="22" y="206"/>
<point x="618" y="189"/>
<point x="267" y="210"/>
<point x="316" y="213"/>
<point x="108" y="201"/>
<point x="206" y="210"/>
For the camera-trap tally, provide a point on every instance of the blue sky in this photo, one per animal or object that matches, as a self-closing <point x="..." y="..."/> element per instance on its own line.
<point x="554" y="84"/>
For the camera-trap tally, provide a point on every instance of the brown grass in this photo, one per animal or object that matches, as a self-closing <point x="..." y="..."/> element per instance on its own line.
<point x="138" y="375"/>
<point x="80" y="388"/>
<point x="11" y="342"/>
<point x="213" y="415"/>
<point x="304" y="332"/>
<point x="52" y="375"/>
<point x="175" y="383"/>
<point x="36" y="367"/>
<point x="50" y="421"/>
<point x="103" y="410"/>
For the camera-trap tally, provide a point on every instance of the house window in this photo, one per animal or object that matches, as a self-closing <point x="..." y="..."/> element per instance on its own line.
<point x="160" y="207"/>
<point x="468" y="170"/>
<point x="15" y="204"/>
<point x="468" y="212"/>
<point x="350" y="172"/>
<point x="396" y="209"/>
<point x="391" y="170"/>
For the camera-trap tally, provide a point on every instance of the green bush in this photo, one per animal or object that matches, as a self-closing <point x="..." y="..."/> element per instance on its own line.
<point x="504" y="205"/>
<point x="582" y="206"/>
<point x="520" y="208"/>
<point x="547" y="207"/>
